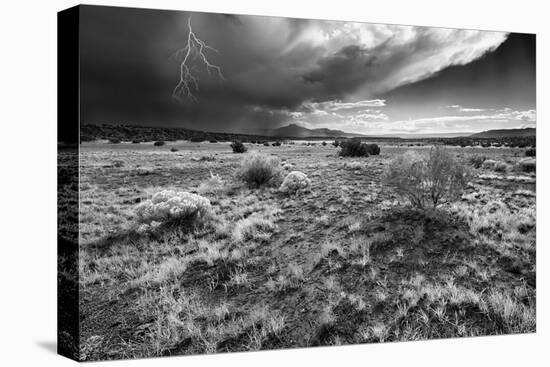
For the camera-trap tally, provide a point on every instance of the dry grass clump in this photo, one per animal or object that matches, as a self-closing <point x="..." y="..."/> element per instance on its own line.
<point x="212" y="185"/>
<point x="260" y="170"/>
<point x="167" y="205"/>
<point x="488" y="164"/>
<point x="425" y="180"/>
<point x="294" y="182"/>
<point x="256" y="227"/>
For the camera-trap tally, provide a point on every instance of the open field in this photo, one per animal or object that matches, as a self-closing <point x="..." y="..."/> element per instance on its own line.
<point x="347" y="261"/>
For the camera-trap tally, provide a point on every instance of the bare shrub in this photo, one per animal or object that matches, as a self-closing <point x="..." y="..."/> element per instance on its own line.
<point x="295" y="181"/>
<point x="260" y="170"/>
<point x="238" y="147"/>
<point x="427" y="180"/>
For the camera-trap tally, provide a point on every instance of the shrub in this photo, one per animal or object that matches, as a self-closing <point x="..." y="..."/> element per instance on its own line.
<point x="477" y="161"/>
<point x="159" y="143"/>
<point x="501" y="167"/>
<point x="136" y="141"/>
<point x="266" y="144"/>
<point x="353" y="148"/>
<point x="324" y="143"/>
<point x="373" y="149"/>
<point x="197" y="139"/>
<point x="238" y="147"/>
<point x="528" y="165"/>
<point x="167" y="206"/>
<point x="295" y="181"/>
<point x="213" y="141"/>
<point x="336" y="143"/>
<point x="173" y="149"/>
<point x="276" y="144"/>
<point x="531" y="152"/>
<point x="432" y="179"/>
<point x="258" y="170"/>
<point x="114" y="141"/>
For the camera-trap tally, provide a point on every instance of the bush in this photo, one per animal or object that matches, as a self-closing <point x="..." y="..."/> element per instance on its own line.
<point x="432" y="179"/>
<point x="197" y="139"/>
<point x="173" y="149"/>
<point x="136" y="141"/>
<point x="528" y="165"/>
<point x="259" y="170"/>
<point x="295" y="181"/>
<point x="353" y="148"/>
<point x="477" y="161"/>
<point x="336" y="143"/>
<point x="213" y="141"/>
<point x="501" y="167"/>
<point x="276" y="144"/>
<point x="159" y="143"/>
<point x="114" y="141"/>
<point x="531" y="152"/>
<point x="266" y="144"/>
<point x="324" y="143"/>
<point x="167" y="206"/>
<point x="238" y="147"/>
<point x="373" y="149"/>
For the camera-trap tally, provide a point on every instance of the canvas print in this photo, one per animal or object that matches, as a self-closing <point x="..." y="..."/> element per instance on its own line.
<point x="240" y="183"/>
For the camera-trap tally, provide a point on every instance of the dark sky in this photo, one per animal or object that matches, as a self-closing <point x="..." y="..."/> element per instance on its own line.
<point x="357" y="77"/>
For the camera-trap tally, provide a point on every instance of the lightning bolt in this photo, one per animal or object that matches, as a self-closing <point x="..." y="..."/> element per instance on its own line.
<point x="195" y="49"/>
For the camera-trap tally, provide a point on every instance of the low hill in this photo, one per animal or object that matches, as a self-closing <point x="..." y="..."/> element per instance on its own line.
<point x="506" y="133"/>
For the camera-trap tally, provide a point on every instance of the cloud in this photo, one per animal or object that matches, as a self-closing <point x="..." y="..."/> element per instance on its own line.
<point x="277" y="70"/>
<point x="496" y="118"/>
<point x="459" y="108"/>
<point x="374" y="58"/>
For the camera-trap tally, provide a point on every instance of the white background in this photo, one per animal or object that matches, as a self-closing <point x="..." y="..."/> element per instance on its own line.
<point x="28" y="179"/>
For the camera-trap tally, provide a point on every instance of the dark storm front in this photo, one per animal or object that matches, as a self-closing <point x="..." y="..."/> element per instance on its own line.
<point x="340" y="183"/>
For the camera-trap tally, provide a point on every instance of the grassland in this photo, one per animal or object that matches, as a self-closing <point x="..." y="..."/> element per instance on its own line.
<point x="347" y="261"/>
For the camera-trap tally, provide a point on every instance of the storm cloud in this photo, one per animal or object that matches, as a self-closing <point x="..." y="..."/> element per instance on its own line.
<point x="276" y="70"/>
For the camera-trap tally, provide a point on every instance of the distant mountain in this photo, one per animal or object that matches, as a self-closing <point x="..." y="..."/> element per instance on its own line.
<point x="426" y="135"/>
<point x="506" y="133"/>
<point x="297" y="131"/>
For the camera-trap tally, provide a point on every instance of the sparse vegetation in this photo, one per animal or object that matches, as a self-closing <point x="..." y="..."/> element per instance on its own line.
<point x="427" y="180"/>
<point x="214" y="268"/>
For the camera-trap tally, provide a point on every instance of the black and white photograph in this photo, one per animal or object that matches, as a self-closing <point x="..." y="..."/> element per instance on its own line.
<point x="236" y="183"/>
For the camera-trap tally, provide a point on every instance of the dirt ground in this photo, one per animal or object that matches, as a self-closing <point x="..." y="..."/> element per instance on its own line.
<point x="348" y="261"/>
